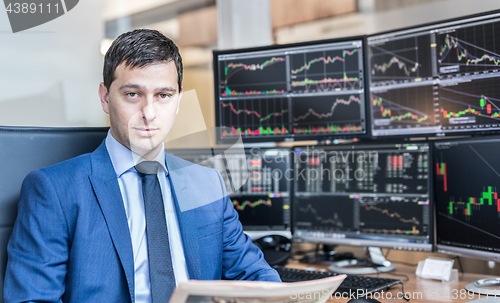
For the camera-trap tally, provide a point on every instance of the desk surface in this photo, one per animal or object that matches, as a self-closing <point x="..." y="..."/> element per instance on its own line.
<point x="419" y="290"/>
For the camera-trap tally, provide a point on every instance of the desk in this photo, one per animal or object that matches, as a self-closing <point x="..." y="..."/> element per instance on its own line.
<point x="420" y="290"/>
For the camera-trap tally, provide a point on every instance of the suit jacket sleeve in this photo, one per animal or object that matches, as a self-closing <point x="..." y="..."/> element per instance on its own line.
<point x="38" y="247"/>
<point x="241" y="259"/>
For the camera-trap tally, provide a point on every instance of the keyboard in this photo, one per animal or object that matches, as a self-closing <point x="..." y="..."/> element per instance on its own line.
<point x="352" y="286"/>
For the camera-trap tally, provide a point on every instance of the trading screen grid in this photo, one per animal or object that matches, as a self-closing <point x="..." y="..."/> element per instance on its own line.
<point x="292" y="92"/>
<point x="436" y="79"/>
<point x="376" y="195"/>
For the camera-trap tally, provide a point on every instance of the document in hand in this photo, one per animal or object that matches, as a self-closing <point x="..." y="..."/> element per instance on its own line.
<point x="315" y="291"/>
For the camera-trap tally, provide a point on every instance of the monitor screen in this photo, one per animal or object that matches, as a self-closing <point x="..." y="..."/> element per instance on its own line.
<point x="290" y="92"/>
<point x="467" y="179"/>
<point x="436" y="79"/>
<point x="263" y="202"/>
<point x="257" y="183"/>
<point x="364" y="195"/>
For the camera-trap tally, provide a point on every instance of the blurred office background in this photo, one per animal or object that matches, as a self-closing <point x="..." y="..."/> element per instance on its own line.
<point x="49" y="75"/>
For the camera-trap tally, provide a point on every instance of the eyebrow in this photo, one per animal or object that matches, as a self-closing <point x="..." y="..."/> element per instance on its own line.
<point x="140" y="87"/>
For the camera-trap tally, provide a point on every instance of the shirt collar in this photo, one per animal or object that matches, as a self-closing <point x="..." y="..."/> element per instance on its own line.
<point x="123" y="159"/>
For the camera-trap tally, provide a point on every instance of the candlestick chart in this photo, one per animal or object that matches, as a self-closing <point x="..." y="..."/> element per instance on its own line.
<point x="327" y="114"/>
<point x="470" y="105"/>
<point x="469" y="50"/>
<point x="403" y="108"/>
<point x="400" y="60"/>
<point x="467" y="175"/>
<point x="255" y="117"/>
<point x="275" y="94"/>
<point x="327" y="70"/>
<point x="254" y="76"/>
<point x="410" y="216"/>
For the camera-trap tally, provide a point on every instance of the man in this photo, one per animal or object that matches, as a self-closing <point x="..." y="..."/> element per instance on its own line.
<point x="127" y="223"/>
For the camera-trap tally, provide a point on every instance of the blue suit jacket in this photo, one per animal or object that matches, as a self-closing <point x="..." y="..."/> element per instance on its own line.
<point x="71" y="240"/>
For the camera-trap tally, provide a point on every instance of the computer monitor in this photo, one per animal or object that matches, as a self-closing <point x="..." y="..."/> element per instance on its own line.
<point x="312" y="90"/>
<point x="436" y="79"/>
<point x="467" y="178"/>
<point x="263" y="202"/>
<point x="364" y="195"/>
<point x="257" y="183"/>
<point x="467" y="184"/>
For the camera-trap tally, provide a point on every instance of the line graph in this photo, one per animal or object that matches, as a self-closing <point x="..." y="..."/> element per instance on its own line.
<point x="259" y="210"/>
<point x="469" y="50"/>
<point x="400" y="64"/>
<point x="247" y="203"/>
<point x="387" y="112"/>
<point x="413" y="220"/>
<point x="407" y="107"/>
<point x="407" y="217"/>
<point x="463" y="55"/>
<point x="256" y="76"/>
<point x="338" y="101"/>
<point x="252" y="112"/>
<point x="255" y="116"/>
<point x="328" y="83"/>
<point x="233" y="68"/>
<point x="325" y="60"/>
<point x="327" y="114"/>
<point x="400" y="60"/>
<point x="334" y="220"/>
<point x="470" y="105"/>
<point x="325" y="212"/>
<point x="326" y="70"/>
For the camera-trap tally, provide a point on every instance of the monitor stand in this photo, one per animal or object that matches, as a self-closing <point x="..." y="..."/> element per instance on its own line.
<point x="327" y="254"/>
<point x="480" y="287"/>
<point x="375" y="262"/>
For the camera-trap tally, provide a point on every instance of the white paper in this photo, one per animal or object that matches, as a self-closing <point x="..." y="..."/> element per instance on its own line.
<point x="437" y="269"/>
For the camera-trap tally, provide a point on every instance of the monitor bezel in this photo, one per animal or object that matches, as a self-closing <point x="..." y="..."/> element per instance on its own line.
<point x="409" y="246"/>
<point x="419" y="28"/>
<point x="291" y="137"/>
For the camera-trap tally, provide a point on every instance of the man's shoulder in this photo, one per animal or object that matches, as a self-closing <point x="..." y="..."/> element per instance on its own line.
<point x="79" y="165"/>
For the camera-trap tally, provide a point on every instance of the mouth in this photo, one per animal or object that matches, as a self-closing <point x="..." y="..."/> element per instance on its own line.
<point x="146" y="132"/>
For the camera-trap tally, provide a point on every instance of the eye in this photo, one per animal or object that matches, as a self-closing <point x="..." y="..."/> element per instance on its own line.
<point x="132" y="95"/>
<point x="163" y="96"/>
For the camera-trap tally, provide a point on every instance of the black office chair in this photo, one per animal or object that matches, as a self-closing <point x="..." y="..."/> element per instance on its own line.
<point x="23" y="149"/>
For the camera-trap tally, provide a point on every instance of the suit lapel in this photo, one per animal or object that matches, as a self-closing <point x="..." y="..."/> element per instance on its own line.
<point x="187" y="220"/>
<point x="107" y="191"/>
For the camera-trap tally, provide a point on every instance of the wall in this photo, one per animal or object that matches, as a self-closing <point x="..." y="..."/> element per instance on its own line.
<point x="49" y="75"/>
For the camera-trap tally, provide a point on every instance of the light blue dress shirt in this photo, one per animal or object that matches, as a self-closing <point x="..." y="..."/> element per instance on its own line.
<point x="131" y="189"/>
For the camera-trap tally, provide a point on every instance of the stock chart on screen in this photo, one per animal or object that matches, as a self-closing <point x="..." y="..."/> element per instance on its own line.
<point x="364" y="195"/>
<point x="436" y="79"/>
<point x="259" y="182"/>
<point x="291" y="91"/>
<point x="467" y="194"/>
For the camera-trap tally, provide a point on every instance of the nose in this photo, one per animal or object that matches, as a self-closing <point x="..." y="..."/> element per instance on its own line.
<point x="148" y="110"/>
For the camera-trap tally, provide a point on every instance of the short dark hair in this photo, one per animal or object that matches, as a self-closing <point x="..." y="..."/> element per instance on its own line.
<point x="138" y="48"/>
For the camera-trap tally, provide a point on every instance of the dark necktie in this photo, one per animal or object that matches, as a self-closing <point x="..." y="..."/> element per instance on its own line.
<point x="161" y="272"/>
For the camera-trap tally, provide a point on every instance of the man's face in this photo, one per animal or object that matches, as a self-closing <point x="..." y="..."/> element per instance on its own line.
<point x="142" y="104"/>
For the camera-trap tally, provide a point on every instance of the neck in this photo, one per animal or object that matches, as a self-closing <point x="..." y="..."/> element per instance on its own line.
<point x="150" y="155"/>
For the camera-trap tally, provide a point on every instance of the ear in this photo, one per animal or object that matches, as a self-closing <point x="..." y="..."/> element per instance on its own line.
<point x="179" y="101"/>
<point x="104" y="95"/>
